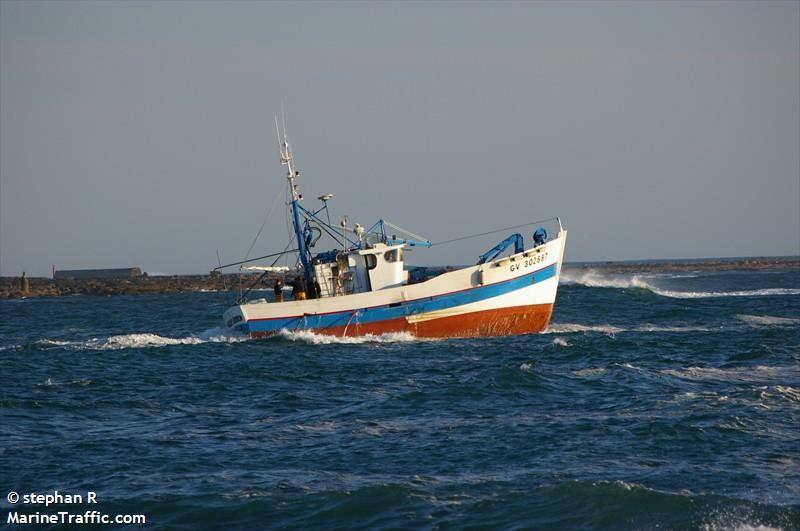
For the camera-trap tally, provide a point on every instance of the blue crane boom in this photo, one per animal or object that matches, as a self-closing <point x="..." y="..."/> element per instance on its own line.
<point x="495" y="251"/>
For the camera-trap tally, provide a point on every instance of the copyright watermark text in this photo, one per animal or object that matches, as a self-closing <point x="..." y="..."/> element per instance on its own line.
<point x="56" y="498"/>
<point x="51" y="498"/>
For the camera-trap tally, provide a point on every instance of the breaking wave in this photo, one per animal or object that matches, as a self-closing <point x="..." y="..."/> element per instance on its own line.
<point x="575" y="328"/>
<point x="732" y="374"/>
<point x="767" y="320"/>
<point x="143" y="340"/>
<point x="313" y="338"/>
<point x="709" y="294"/>
<point x="594" y="279"/>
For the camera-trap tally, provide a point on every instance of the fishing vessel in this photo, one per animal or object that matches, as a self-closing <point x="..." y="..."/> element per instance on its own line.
<point x="362" y="286"/>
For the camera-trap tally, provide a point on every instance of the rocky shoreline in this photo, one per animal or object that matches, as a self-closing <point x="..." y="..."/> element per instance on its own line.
<point x="11" y="287"/>
<point x="677" y="266"/>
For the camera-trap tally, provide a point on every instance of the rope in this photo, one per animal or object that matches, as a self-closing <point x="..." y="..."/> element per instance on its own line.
<point x="491" y="232"/>
<point x="401" y="229"/>
<point x="264" y="224"/>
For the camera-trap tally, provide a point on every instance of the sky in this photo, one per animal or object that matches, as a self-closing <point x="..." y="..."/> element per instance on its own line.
<point x="142" y="133"/>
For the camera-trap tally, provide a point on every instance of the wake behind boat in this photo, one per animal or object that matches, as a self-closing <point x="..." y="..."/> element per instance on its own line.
<point x="362" y="287"/>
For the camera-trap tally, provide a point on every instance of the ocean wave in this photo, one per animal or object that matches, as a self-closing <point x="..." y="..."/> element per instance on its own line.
<point x="574" y="328"/>
<point x="767" y="320"/>
<point x="313" y="338"/>
<point x="608" y="329"/>
<point x="51" y="343"/>
<point x="594" y="279"/>
<point x="219" y="334"/>
<point x="768" y="292"/>
<point x="590" y="371"/>
<point x="788" y="392"/>
<point x="143" y="340"/>
<point x="742" y="374"/>
<point x="736" y="518"/>
<point x="675" y="329"/>
<point x="76" y="383"/>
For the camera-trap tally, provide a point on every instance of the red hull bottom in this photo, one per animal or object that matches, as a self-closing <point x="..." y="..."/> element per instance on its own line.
<point x="498" y="322"/>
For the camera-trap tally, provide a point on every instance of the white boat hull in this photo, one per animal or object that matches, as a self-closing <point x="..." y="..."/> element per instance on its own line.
<point x="512" y="295"/>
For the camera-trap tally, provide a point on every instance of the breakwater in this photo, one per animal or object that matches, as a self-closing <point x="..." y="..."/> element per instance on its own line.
<point x="686" y="266"/>
<point x="12" y="287"/>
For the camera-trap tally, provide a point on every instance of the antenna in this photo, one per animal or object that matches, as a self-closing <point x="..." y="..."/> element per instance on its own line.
<point x="286" y="157"/>
<point x="283" y="119"/>
<point x="288" y="160"/>
<point x="343" y="224"/>
<point x="325" y="198"/>
<point x="278" y="137"/>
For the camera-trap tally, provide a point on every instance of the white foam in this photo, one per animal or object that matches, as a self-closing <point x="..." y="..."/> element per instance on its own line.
<point x="740" y="527"/>
<point x="219" y="334"/>
<point x="595" y="279"/>
<point x="313" y="338"/>
<point x="561" y="342"/>
<point x="52" y="343"/>
<point x="145" y="340"/>
<point x="675" y="329"/>
<point x="789" y="392"/>
<point x="744" y="374"/>
<point x="142" y="341"/>
<point x="736" y="520"/>
<point x="50" y="383"/>
<point x="630" y="486"/>
<point x="642" y="283"/>
<point x="596" y="371"/>
<point x="319" y="427"/>
<point x="573" y="328"/>
<point x="769" y="292"/>
<point x="767" y="320"/>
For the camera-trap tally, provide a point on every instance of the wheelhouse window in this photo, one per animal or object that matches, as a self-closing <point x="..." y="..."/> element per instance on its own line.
<point x="371" y="260"/>
<point x="395" y="255"/>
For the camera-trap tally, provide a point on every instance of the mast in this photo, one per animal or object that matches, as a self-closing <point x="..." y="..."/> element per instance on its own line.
<point x="288" y="160"/>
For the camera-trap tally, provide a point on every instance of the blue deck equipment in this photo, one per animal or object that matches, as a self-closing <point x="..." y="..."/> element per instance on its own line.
<point x="540" y="236"/>
<point x="495" y="251"/>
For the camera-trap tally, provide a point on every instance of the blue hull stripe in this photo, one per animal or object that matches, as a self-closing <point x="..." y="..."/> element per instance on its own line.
<point x="398" y="310"/>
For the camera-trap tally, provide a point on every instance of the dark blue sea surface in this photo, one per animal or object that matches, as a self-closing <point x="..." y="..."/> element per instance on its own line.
<point x="657" y="401"/>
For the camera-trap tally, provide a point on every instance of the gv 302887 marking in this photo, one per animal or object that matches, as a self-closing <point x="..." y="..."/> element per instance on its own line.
<point x="538" y="259"/>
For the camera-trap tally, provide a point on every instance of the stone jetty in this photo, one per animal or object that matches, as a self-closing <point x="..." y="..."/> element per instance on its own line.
<point x="686" y="266"/>
<point x="15" y="287"/>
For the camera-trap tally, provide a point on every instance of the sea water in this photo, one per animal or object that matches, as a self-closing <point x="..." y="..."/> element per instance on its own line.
<point x="653" y="401"/>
